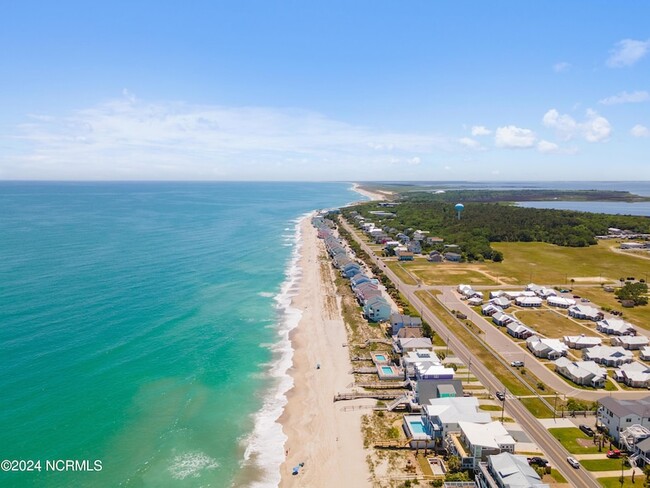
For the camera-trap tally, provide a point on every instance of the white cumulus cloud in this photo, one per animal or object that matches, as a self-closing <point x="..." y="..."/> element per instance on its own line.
<point x="627" y="52"/>
<point x="480" y="130"/>
<point x="594" y="128"/>
<point x="514" y="137"/>
<point x="130" y="138"/>
<point x="468" y="142"/>
<point x="547" y="147"/>
<point x="640" y="131"/>
<point x="625" y="97"/>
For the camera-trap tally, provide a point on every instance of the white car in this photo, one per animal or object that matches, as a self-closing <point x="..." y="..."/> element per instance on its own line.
<point x="517" y="364"/>
<point x="573" y="462"/>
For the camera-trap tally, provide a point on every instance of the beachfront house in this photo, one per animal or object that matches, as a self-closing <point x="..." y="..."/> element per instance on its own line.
<point x="442" y="416"/>
<point x="586" y="373"/>
<point x="478" y="441"/>
<point x="377" y="309"/>
<point x="358" y="279"/>
<point x="608" y="355"/>
<point x="409" y="332"/>
<point x="582" y="341"/>
<point x="402" y="346"/>
<point x="507" y="470"/>
<point x="398" y="320"/>
<point x="616" y="415"/>
<point x="351" y="269"/>
<point x="633" y="374"/>
<point x="366" y="291"/>
<point x="426" y="390"/>
<point x="631" y="343"/>
<point x="545" y="348"/>
<point x="411" y="358"/>
<point x="615" y="327"/>
<point x="585" y="312"/>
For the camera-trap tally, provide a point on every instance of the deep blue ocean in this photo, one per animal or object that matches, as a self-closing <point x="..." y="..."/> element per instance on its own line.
<point x="144" y="325"/>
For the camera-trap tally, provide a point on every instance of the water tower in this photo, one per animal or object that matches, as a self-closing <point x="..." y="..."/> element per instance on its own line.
<point x="459" y="208"/>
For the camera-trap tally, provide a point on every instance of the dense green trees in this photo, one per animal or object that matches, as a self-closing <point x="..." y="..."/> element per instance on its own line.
<point x="483" y="223"/>
<point x="633" y="291"/>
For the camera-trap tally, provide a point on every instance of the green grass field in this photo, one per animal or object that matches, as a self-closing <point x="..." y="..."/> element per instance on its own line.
<point x="603" y="464"/>
<point x="569" y="437"/>
<point x="627" y="482"/>
<point x="537" y="408"/>
<point x="638" y="315"/>
<point x="551" y="323"/>
<point x="538" y="262"/>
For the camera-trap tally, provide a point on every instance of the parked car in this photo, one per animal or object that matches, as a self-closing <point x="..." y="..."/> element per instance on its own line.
<point x="586" y="429"/>
<point x="564" y="290"/>
<point x="501" y="395"/>
<point x="517" y="364"/>
<point x="538" y="461"/>
<point x="614" y="453"/>
<point x="576" y="296"/>
<point x="585" y="300"/>
<point x="573" y="462"/>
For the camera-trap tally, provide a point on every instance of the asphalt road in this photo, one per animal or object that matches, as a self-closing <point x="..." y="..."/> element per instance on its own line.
<point x="552" y="449"/>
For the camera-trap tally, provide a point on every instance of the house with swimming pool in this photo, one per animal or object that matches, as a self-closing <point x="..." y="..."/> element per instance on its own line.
<point x="443" y="415"/>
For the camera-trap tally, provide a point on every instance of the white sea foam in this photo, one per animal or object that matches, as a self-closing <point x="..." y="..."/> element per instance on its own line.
<point x="266" y="294"/>
<point x="191" y="464"/>
<point x="265" y="445"/>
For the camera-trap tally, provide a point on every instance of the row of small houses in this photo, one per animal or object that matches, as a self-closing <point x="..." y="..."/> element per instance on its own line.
<point x="366" y="289"/>
<point x="403" y="246"/>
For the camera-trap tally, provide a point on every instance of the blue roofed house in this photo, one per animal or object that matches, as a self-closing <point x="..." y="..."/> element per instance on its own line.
<point x="351" y="269"/>
<point x="377" y="309"/>
<point x="358" y="279"/>
<point x="398" y="320"/>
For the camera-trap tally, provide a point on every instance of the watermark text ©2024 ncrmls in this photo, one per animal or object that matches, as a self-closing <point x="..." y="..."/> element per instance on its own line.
<point x="56" y="465"/>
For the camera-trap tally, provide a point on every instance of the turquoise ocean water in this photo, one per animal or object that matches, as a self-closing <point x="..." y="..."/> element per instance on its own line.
<point x="145" y="325"/>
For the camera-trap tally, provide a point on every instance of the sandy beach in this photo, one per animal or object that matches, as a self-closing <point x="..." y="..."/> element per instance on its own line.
<point x="324" y="435"/>
<point x="373" y="195"/>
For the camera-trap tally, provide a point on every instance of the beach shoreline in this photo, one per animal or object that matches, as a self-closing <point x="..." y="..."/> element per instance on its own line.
<point x="324" y="435"/>
<point x="372" y="195"/>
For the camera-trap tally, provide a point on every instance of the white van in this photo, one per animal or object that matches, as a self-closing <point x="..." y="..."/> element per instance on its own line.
<point x="573" y="462"/>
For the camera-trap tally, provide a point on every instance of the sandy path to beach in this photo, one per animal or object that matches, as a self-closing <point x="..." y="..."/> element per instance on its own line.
<point x="326" y="436"/>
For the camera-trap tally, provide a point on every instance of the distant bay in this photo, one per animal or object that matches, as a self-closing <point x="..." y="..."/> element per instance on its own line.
<point x="623" y="208"/>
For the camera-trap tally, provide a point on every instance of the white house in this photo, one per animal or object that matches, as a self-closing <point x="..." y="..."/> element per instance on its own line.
<point x="502" y="302"/>
<point x="615" y="327"/>
<point x="560" y="302"/>
<point x="402" y="346"/>
<point x="478" y="441"/>
<point x="634" y="374"/>
<point x="546" y="348"/>
<point x="582" y="341"/>
<point x="490" y="309"/>
<point x="507" y="470"/>
<point x="630" y="342"/>
<point x="519" y="330"/>
<point x="443" y="415"/>
<point x="528" y="301"/>
<point x="617" y="415"/>
<point x="608" y="355"/>
<point x="644" y="354"/>
<point x="502" y="319"/>
<point x="585" y="312"/>
<point x="586" y="373"/>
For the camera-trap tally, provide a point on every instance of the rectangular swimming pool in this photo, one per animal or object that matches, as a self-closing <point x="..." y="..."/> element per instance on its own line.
<point x="380" y="357"/>
<point x="387" y="370"/>
<point x="417" y="427"/>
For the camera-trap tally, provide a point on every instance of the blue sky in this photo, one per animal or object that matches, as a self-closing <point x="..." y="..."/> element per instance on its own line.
<point x="363" y="90"/>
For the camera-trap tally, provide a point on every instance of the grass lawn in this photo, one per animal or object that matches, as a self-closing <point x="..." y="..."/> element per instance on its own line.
<point x="537" y="408"/>
<point x="550" y="323"/>
<point x="490" y="408"/>
<point x="604" y="464"/>
<point x="574" y="440"/>
<point x="540" y="262"/>
<point x="557" y="476"/>
<point x="448" y="273"/>
<point x="627" y="483"/>
<point x="396" y="267"/>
